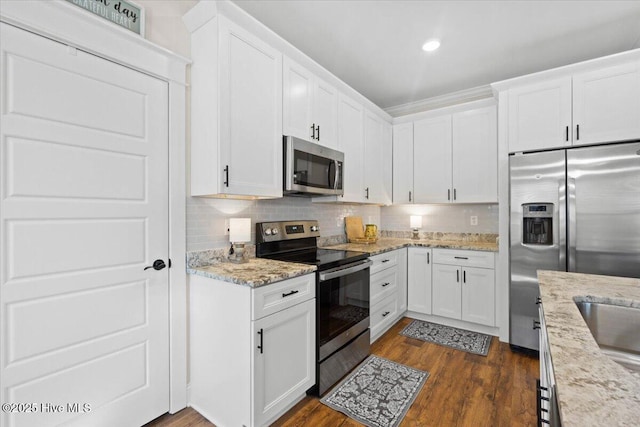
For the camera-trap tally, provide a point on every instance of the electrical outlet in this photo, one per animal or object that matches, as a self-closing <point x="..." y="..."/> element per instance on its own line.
<point x="226" y="226"/>
<point x="474" y="220"/>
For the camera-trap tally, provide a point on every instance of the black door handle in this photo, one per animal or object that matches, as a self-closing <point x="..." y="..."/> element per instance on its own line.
<point x="157" y="265"/>
<point x="536" y="324"/>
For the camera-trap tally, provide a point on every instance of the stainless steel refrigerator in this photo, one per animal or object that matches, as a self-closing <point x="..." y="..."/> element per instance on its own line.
<point x="575" y="210"/>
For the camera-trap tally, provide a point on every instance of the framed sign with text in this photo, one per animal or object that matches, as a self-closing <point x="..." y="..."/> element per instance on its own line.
<point x="124" y="13"/>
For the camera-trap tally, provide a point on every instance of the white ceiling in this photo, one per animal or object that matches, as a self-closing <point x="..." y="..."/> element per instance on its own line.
<point x="375" y="46"/>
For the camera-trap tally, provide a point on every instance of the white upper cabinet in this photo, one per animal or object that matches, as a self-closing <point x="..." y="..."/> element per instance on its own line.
<point x="586" y="108"/>
<point x="297" y="101"/>
<point x="540" y="116"/>
<point x="377" y="160"/>
<point x="310" y="106"/>
<point x="403" y="163"/>
<point x="455" y="157"/>
<point x="236" y="142"/>
<point x="326" y="114"/>
<point x="365" y="140"/>
<point x="606" y="104"/>
<point x="351" y="143"/>
<point x="475" y="156"/>
<point x="432" y="160"/>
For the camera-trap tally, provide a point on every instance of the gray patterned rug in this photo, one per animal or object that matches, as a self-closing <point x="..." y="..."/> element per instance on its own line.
<point x="460" y="339"/>
<point x="378" y="393"/>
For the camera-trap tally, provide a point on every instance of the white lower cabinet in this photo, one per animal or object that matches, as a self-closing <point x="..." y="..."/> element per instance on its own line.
<point x="446" y="291"/>
<point x="388" y="290"/>
<point x="403" y="280"/>
<point x="464" y="285"/>
<point x="546" y="391"/>
<point x="478" y="295"/>
<point x="383" y="315"/>
<point x="419" y="280"/>
<point x="283" y="359"/>
<point x="252" y="350"/>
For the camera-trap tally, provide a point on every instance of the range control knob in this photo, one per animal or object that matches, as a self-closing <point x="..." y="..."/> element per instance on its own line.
<point x="267" y="231"/>
<point x="274" y="231"/>
<point x="314" y="228"/>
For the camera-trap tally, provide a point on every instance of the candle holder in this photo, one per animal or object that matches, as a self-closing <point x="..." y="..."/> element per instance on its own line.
<point x="239" y="233"/>
<point x="415" y="222"/>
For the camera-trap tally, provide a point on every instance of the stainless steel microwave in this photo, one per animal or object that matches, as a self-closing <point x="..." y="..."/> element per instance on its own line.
<point x="311" y="169"/>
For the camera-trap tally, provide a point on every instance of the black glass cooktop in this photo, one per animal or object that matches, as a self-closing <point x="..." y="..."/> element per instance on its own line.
<point x="323" y="258"/>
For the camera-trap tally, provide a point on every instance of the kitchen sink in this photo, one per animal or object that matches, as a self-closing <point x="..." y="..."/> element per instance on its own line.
<point x="616" y="329"/>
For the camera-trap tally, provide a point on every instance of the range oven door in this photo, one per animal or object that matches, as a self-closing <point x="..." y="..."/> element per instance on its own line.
<point x="343" y="306"/>
<point x="311" y="168"/>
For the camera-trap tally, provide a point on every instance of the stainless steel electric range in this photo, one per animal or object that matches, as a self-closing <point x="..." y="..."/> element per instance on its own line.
<point x="342" y="295"/>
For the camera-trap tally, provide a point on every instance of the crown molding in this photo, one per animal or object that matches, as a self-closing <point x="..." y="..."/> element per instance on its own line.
<point x="446" y="100"/>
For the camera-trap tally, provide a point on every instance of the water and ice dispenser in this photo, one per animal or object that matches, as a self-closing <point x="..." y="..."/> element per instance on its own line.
<point x="537" y="223"/>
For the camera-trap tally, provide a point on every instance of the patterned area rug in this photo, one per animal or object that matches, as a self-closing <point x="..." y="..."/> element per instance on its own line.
<point x="472" y="342"/>
<point x="378" y="393"/>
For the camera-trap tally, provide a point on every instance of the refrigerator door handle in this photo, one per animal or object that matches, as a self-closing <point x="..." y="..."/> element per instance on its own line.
<point x="572" y="226"/>
<point x="562" y="225"/>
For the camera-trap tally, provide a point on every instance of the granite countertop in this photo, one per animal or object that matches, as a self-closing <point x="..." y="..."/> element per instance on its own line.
<point x="254" y="273"/>
<point x="390" y="244"/>
<point x="261" y="271"/>
<point x="592" y="389"/>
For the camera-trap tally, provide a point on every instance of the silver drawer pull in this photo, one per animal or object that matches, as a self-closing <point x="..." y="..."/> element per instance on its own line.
<point x="290" y="293"/>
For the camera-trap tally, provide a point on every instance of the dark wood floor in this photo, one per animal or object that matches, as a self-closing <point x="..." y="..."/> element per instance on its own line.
<point x="463" y="389"/>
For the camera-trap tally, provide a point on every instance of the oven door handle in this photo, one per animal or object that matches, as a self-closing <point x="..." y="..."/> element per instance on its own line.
<point x="342" y="271"/>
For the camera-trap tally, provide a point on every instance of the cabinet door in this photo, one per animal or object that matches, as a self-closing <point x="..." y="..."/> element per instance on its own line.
<point x="351" y="143"/>
<point x="432" y="160"/>
<point x="250" y="114"/>
<point x="540" y="116"/>
<point x="387" y="163"/>
<point x="402" y="280"/>
<point x="447" y="291"/>
<point x="419" y="280"/>
<point x="478" y="295"/>
<point x="606" y="105"/>
<point x="373" y="161"/>
<point x="284" y="365"/>
<point x="326" y="114"/>
<point x="403" y="163"/>
<point x="475" y="156"/>
<point x="297" y="100"/>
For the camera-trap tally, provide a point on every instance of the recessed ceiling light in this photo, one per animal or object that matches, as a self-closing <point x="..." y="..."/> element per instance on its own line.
<point x="431" y="45"/>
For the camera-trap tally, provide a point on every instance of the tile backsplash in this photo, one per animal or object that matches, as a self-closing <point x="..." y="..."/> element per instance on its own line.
<point x="442" y="218"/>
<point x="206" y="217"/>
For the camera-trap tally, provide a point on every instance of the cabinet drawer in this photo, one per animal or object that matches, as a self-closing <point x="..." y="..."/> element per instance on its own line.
<point x="384" y="261"/>
<point x="464" y="258"/>
<point x="383" y="284"/>
<point x="272" y="298"/>
<point x="383" y="314"/>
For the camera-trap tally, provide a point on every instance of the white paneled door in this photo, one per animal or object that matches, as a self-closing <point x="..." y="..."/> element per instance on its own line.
<point x="84" y="209"/>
